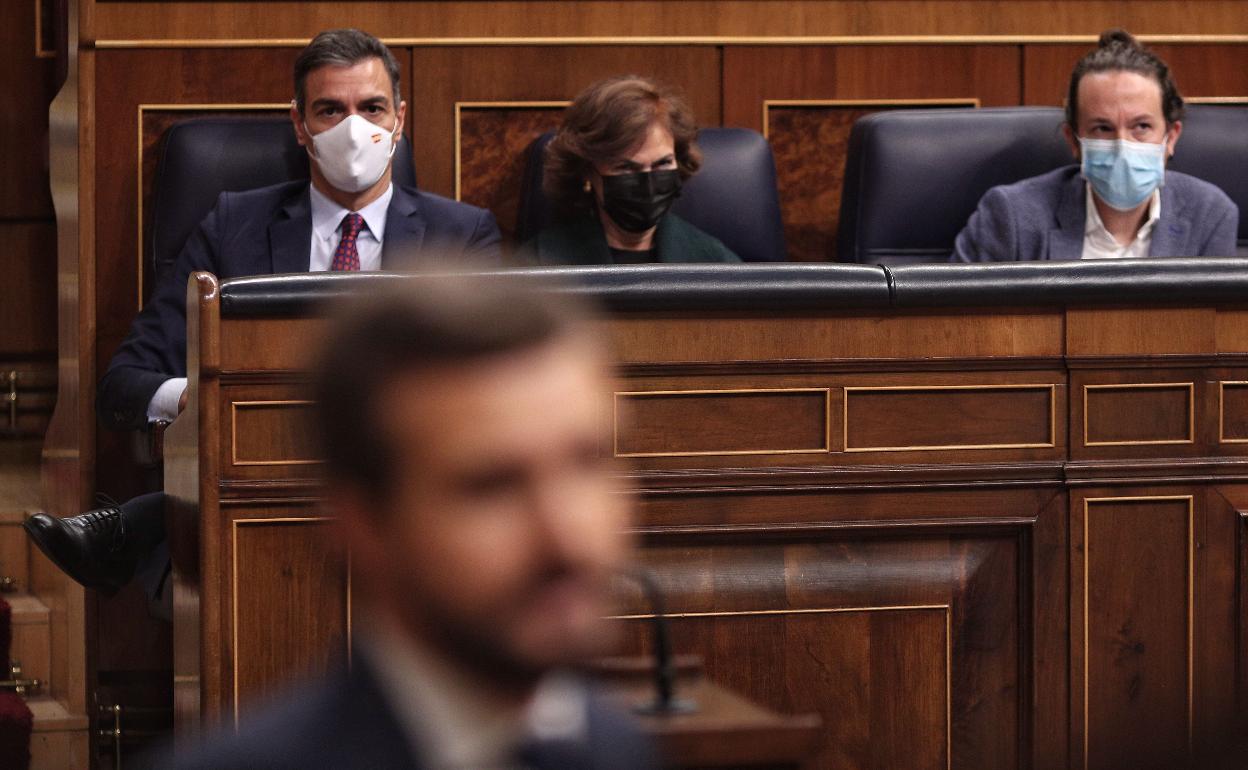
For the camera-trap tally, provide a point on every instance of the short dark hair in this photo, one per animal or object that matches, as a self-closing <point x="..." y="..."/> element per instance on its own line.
<point x="418" y="323"/>
<point x="607" y="120"/>
<point x="1118" y="51"/>
<point x="342" y="48"/>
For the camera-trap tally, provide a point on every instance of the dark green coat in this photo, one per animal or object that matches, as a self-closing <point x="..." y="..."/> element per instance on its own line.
<point x="581" y="241"/>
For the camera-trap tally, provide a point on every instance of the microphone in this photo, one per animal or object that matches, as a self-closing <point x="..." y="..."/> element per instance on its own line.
<point x="665" y="701"/>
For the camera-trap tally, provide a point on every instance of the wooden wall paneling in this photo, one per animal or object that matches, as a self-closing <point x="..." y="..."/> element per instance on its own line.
<point x="1220" y="650"/>
<point x="1135" y="577"/>
<point x="842" y="419"/>
<point x="28" y="291"/>
<point x="1199" y="69"/>
<point x="1129" y="413"/>
<point x="222" y="19"/>
<point x="806" y="98"/>
<point x="293" y="581"/>
<point x="529" y="79"/>
<point x="892" y="638"/>
<point x="27" y="80"/>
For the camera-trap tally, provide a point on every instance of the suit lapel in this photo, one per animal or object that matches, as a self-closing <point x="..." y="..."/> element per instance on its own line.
<point x="1066" y="239"/>
<point x="405" y="229"/>
<point x="290" y="236"/>
<point x="1170" y="233"/>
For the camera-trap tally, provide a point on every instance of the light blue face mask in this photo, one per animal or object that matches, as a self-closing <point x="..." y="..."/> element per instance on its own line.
<point x="1123" y="173"/>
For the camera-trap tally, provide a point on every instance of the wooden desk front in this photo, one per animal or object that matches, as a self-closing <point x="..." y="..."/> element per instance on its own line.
<point x="973" y="538"/>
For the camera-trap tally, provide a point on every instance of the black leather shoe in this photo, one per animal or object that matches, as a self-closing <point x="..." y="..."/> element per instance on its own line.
<point x="90" y="548"/>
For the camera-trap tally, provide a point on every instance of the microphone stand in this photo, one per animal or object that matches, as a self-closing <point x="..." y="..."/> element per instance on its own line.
<point x="665" y="702"/>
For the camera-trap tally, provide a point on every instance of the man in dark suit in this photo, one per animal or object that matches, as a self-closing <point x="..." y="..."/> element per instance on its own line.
<point x="461" y="428"/>
<point x="348" y="114"/>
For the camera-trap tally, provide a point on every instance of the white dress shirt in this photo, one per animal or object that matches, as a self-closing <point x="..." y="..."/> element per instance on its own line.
<point x="449" y="721"/>
<point x="1098" y="243"/>
<point x="326" y="219"/>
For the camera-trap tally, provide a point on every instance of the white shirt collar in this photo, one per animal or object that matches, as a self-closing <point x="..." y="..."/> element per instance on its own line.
<point x="449" y="721"/>
<point x="327" y="215"/>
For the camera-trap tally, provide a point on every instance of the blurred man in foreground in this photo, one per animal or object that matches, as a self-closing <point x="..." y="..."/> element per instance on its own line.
<point x="462" y="434"/>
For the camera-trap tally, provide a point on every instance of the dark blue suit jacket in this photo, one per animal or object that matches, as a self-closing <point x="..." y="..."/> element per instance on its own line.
<point x="1044" y="217"/>
<point x="263" y="232"/>
<point x="345" y="723"/>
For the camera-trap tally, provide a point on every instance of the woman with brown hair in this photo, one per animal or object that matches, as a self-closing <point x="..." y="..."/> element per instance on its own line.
<point x="613" y="170"/>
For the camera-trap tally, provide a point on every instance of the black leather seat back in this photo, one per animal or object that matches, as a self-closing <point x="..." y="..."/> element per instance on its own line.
<point x="1214" y="147"/>
<point x="914" y="177"/>
<point x="203" y="157"/>
<point x="733" y="197"/>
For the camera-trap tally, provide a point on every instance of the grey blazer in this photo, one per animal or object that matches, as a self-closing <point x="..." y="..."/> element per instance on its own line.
<point x="1043" y="218"/>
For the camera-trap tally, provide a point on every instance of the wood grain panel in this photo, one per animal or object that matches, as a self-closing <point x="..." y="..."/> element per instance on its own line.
<point x="267" y="432"/>
<point x="1110" y="332"/>
<point x="131" y="19"/>
<point x="28" y="83"/>
<point x="444" y="76"/>
<point x="952" y="417"/>
<point x="676" y="423"/>
<point x="785" y="337"/>
<point x="1201" y="70"/>
<point x="28" y="289"/>
<point x="272" y="433"/>
<point x="1233" y="412"/>
<point x="1139" y="413"/>
<point x="292" y="583"/>
<point x="489" y="154"/>
<point x="891" y="640"/>
<point x="1134" y="563"/>
<point x="810" y="141"/>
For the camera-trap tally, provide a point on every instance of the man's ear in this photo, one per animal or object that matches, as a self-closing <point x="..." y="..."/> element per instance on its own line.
<point x="402" y="116"/>
<point x="297" y="121"/>
<point x="1172" y="137"/>
<point x="1072" y="141"/>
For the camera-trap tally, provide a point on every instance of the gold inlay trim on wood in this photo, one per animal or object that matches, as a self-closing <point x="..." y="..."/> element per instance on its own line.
<point x="1216" y="99"/>
<point x="1191" y="606"/>
<point x="827" y="418"/>
<point x="1051" y="443"/>
<point x="235" y="524"/>
<point x="922" y="102"/>
<point x="661" y="40"/>
<point x="234" y="408"/>
<point x="1222" y="439"/>
<point x="1191" y="413"/>
<point x="945" y="608"/>
<point x="504" y="105"/>
<point x="138" y="186"/>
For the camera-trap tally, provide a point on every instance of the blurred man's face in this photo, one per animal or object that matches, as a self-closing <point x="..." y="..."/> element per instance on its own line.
<point x="500" y="535"/>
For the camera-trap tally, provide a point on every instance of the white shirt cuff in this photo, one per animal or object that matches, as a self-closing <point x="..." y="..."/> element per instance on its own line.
<point x="164" y="403"/>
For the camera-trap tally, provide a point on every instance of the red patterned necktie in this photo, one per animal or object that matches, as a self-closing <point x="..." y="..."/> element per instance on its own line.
<point x="347" y="255"/>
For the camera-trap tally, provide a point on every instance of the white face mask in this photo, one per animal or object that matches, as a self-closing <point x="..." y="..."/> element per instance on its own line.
<point x="354" y="154"/>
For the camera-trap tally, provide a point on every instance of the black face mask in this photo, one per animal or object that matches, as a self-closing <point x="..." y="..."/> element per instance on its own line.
<point x="636" y="202"/>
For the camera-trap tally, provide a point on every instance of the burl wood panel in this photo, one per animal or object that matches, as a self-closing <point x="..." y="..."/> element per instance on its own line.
<point x="1134" y="573"/>
<point x="492" y="144"/>
<point x="902" y="417"/>
<point x="721" y="422"/>
<point x="810" y="144"/>
<point x="292" y="583"/>
<point x="1139" y="413"/>
<point x="897" y="642"/>
<point x="1200" y="70"/>
<point x="1233" y="412"/>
